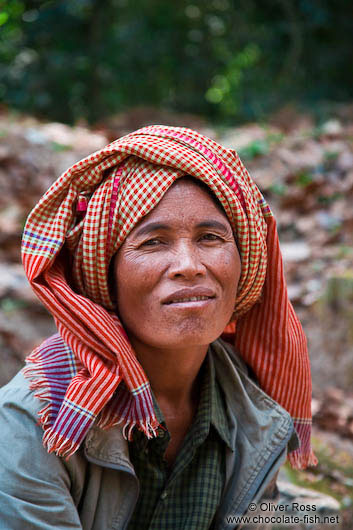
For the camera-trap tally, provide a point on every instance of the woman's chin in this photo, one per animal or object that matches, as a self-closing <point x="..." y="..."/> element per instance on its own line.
<point x="188" y="335"/>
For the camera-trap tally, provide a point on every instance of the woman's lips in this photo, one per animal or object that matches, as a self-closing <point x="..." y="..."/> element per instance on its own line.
<point x="194" y="304"/>
<point x="190" y="296"/>
<point x="191" y="299"/>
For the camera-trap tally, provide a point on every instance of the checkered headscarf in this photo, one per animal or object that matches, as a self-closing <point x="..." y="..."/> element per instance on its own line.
<point x="89" y="368"/>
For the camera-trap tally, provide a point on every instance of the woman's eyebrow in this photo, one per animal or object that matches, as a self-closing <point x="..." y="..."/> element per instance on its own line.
<point x="155" y="225"/>
<point x="151" y="227"/>
<point x="212" y="223"/>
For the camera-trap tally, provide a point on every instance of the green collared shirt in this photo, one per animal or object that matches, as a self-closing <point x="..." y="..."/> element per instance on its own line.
<point x="188" y="495"/>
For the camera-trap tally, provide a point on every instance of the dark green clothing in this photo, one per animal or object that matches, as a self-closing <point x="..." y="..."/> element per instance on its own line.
<point x="187" y="495"/>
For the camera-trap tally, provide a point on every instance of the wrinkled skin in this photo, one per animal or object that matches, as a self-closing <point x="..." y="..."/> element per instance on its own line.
<point x="186" y="242"/>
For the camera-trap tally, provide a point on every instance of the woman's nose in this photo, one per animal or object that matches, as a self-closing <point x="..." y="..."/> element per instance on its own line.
<point x="186" y="262"/>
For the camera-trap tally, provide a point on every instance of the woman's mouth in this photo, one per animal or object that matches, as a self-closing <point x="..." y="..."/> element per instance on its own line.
<point x="190" y="297"/>
<point x="189" y="300"/>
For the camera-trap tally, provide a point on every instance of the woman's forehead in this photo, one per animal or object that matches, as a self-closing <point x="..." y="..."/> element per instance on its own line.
<point x="200" y="184"/>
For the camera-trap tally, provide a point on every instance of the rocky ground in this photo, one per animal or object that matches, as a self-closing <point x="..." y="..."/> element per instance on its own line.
<point x="305" y="170"/>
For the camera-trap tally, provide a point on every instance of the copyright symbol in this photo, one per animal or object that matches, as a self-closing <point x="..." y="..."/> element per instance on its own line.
<point x="252" y="506"/>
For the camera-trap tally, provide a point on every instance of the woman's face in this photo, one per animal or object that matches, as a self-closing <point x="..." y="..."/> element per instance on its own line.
<point x="177" y="273"/>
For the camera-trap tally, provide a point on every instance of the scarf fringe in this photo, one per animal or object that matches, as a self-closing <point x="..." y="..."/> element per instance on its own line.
<point x="148" y="427"/>
<point x="58" y="444"/>
<point x="52" y="441"/>
<point x="301" y="461"/>
<point x="40" y="385"/>
<point x="129" y="427"/>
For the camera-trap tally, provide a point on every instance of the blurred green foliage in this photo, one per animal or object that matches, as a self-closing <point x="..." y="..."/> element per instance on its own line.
<point x="227" y="59"/>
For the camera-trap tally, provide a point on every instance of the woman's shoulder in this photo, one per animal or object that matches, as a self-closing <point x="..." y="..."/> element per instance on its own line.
<point x="17" y="397"/>
<point x="36" y="487"/>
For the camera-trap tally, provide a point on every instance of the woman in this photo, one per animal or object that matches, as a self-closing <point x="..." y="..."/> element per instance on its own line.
<point x="146" y="253"/>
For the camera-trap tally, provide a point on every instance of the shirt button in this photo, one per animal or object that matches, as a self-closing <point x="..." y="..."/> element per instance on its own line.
<point x="164" y="494"/>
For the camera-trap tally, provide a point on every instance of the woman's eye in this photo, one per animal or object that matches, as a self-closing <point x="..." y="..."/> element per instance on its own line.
<point x="210" y="237"/>
<point x="151" y="242"/>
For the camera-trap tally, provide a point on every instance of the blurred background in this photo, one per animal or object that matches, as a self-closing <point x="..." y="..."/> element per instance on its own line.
<point x="88" y="59"/>
<point x="271" y="79"/>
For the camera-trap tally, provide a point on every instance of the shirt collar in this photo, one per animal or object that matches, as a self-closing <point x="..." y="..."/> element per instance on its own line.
<point x="219" y="418"/>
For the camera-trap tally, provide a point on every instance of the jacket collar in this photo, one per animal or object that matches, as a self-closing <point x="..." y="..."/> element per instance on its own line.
<point x="108" y="448"/>
<point x="249" y="409"/>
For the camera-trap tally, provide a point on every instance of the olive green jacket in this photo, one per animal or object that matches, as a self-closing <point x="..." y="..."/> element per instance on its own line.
<point x="96" y="489"/>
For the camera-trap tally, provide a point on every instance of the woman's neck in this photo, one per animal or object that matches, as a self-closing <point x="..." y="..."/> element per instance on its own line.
<point x="172" y="373"/>
<point x="175" y="381"/>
